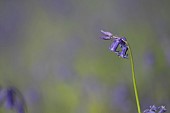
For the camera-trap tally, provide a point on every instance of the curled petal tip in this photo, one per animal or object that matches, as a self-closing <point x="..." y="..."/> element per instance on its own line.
<point x="106" y="33"/>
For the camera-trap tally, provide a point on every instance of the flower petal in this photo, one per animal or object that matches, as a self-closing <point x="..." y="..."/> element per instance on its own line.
<point x="106" y="33"/>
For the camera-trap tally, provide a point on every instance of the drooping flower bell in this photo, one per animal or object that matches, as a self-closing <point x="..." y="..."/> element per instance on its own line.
<point x="123" y="52"/>
<point x="114" y="46"/>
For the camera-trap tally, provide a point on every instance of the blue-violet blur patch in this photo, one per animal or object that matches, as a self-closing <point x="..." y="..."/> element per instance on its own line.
<point x="154" y="109"/>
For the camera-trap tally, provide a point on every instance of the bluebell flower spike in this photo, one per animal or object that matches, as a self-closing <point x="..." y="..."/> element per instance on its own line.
<point x="152" y="109"/>
<point x="162" y="109"/>
<point x="117" y="42"/>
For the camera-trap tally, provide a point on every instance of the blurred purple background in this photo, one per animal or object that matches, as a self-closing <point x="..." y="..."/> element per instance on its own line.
<point x="51" y="51"/>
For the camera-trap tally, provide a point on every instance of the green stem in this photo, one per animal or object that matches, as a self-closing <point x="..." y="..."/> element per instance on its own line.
<point x="134" y="80"/>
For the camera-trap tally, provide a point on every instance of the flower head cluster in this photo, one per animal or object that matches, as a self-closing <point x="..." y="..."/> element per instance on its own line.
<point x="154" y="109"/>
<point x="12" y="99"/>
<point x="117" y="42"/>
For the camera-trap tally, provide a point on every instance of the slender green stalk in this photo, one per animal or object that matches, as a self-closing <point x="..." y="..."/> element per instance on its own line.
<point x="134" y="80"/>
<point x="108" y="36"/>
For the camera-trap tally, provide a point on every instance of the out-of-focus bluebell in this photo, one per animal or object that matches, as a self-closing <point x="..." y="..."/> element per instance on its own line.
<point x="149" y="60"/>
<point x="20" y="107"/>
<point x="120" y="98"/>
<point x="162" y="109"/>
<point x="151" y="109"/>
<point x="154" y="109"/>
<point x="12" y="99"/>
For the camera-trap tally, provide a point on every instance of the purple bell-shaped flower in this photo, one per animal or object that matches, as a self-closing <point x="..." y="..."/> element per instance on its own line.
<point x="124" y="51"/>
<point x="115" y="45"/>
